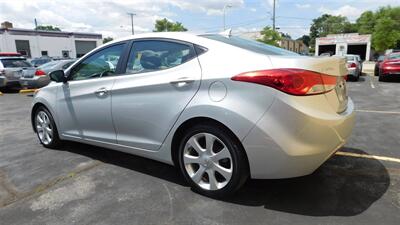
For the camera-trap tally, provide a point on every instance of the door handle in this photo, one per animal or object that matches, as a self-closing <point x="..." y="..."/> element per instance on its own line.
<point x="101" y="92"/>
<point x="182" y="81"/>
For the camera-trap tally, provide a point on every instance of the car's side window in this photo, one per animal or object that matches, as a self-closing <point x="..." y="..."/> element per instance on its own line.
<point x="154" y="55"/>
<point x="100" y="64"/>
<point x="67" y="65"/>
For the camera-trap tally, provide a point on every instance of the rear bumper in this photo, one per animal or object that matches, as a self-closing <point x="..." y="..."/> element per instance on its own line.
<point x="35" y="82"/>
<point x="294" y="138"/>
<point x="4" y="82"/>
<point x="353" y="72"/>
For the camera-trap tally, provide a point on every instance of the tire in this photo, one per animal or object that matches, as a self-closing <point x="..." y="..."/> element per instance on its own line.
<point x="199" y="169"/>
<point x="382" y="78"/>
<point x="44" y="124"/>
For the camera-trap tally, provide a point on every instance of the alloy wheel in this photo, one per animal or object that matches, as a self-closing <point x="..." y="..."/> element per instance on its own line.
<point x="44" y="128"/>
<point x="207" y="161"/>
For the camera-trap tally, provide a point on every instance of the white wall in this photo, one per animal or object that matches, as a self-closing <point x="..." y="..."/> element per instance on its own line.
<point x="53" y="45"/>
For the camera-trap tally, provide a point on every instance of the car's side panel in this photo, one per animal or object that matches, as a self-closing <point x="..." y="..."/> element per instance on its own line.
<point x="82" y="113"/>
<point x="145" y="106"/>
<point x="48" y="97"/>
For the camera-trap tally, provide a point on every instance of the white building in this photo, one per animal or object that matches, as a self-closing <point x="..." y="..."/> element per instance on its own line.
<point x="341" y="44"/>
<point x="32" y="43"/>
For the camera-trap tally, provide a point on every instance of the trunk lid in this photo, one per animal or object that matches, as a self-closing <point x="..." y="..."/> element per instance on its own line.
<point x="333" y="66"/>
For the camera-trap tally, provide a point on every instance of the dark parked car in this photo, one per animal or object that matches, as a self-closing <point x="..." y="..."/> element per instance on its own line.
<point x="377" y="64"/>
<point x="40" y="61"/>
<point x="390" y="66"/>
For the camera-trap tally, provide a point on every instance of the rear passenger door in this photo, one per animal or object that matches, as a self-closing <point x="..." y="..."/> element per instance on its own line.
<point x="161" y="78"/>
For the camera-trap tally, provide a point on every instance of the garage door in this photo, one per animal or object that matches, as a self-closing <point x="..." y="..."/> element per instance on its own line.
<point x="360" y="50"/>
<point x="83" y="47"/>
<point x="331" y="49"/>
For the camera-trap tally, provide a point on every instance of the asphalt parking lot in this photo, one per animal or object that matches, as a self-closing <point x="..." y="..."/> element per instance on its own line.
<point x="81" y="184"/>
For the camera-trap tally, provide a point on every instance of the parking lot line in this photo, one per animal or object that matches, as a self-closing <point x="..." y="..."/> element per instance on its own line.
<point x="382" y="158"/>
<point x="377" y="111"/>
<point x="372" y="83"/>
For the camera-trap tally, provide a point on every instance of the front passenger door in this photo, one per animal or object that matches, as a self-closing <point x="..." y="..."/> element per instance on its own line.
<point x="84" y="102"/>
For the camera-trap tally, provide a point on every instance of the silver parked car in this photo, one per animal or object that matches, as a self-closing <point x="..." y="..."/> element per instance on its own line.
<point x="220" y="108"/>
<point x="40" y="78"/>
<point x="12" y="68"/>
<point x="354" y="66"/>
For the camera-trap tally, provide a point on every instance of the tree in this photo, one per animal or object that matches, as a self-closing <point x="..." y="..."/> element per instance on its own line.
<point x="328" y="24"/>
<point x="286" y="35"/>
<point x="107" y="39"/>
<point x="269" y="36"/>
<point x="386" y="34"/>
<point x="383" y="25"/>
<point x="366" y="23"/>
<point x="47" y="28"/>
<point x="165" y="25"/>
<point x="305" y="39"/>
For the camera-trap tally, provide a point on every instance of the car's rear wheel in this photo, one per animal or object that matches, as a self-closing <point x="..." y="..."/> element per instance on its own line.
<point x="212" y="160"/>
<point x="45" y="128"/>
<point x="382" y="78"/>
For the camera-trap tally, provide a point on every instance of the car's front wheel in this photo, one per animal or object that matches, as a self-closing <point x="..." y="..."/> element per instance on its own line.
<point x="45" y="128"/>
<point x="212" y="160"/>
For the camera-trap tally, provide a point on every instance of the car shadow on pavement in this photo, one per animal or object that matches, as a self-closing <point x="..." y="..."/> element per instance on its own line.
<point x="128" y="161"/>
<point x="342" y="186"/>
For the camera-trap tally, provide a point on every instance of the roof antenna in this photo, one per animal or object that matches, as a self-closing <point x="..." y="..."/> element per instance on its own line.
<point x="227" y="32"/>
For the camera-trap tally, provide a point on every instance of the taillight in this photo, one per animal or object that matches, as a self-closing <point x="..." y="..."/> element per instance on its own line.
<point x="40" y="73"/>
<point x="291" y="81"/>
<point x="352" y="65"/>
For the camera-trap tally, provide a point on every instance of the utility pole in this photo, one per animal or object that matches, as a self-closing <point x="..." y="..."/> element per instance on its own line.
<point x="226" y="6"/>
<point x="273" y="17"/>
<point x="36" y="24"/>
<point x="133" y="29"/>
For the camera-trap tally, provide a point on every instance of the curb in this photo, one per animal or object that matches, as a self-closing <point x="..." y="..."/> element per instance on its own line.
<point x="27" y="91"/>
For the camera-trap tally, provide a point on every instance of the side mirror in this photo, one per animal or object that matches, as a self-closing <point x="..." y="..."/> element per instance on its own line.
<point x="58" y="76"/>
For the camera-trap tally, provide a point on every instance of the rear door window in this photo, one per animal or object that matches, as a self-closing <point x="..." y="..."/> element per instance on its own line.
<point x="154" y="55"/>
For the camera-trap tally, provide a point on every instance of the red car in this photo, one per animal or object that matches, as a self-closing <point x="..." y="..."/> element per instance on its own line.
<point x="390" y="66"/>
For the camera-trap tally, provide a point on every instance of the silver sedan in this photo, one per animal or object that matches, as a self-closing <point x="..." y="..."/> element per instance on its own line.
<point x="219" y="107"/>
<point x="40" y="77"/>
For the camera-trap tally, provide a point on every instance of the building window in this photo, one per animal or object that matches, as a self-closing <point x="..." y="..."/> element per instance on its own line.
<point x="22" y="46"/>
<point x="45" y="53"/>
<point x="65" y="53"/>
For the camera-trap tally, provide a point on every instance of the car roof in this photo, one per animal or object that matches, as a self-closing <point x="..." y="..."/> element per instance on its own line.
<point x="10" y="54"/>
<point x="12" y="57"/>
<point x="180" y="36"/>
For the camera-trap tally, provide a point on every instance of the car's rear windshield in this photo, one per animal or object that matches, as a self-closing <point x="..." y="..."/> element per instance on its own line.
<point x="254" y="46"/>
<point x="394" y="56"/>
<point x="14" y="63"/>
<point x="350" y="58"/>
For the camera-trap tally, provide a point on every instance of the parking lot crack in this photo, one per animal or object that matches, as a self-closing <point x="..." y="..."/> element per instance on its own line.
<point x="17" y="196"/>
<point x="11" y="191"/>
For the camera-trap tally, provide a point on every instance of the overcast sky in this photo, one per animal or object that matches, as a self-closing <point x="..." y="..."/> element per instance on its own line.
<point x="109" y="17"/>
